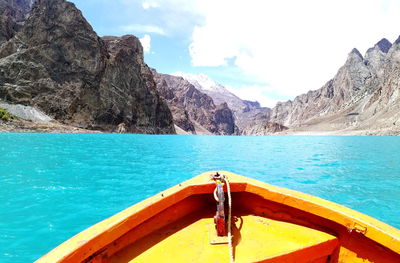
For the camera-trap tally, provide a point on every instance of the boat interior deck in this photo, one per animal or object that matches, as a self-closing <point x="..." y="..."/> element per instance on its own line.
<point x="255" y="239"/>
<point x="270" y="224"/>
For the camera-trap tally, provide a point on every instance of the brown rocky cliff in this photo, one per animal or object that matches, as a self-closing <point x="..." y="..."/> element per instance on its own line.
<point x="193" y="110"/>
<point x="363" y="97"/>
<point x="383" y="107"/>
<point x="129" y="76"/>
<point x="389" y="89"/>
<point x="12" y="15"/>
<point x="246" y="113"/>
<point x="57" y="63"/>
<point x="262" y="127"/>
<point x="354" y="81"/>
<point x="376" y="56"/>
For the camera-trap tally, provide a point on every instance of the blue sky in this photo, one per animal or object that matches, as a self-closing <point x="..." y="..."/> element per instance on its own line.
<point x="261" y="49"/>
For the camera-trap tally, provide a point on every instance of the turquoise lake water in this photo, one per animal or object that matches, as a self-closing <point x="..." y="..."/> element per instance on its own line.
<point x="56" y="185"/>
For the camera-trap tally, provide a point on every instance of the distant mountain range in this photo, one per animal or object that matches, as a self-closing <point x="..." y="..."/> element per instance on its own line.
<point x="218" y="93"/>
<point x="55" y="70"/>
<point x="245" y="112"/>
<point x="193" y="97"/>
<point x="362" y="98"/>
<point x="193" y="110"/>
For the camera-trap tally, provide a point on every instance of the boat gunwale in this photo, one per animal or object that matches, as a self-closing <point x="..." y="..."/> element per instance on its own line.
<point x="110" y="229"/>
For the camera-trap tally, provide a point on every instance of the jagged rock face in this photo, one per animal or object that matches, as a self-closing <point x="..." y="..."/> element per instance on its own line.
<point x="57" y="63"/>
<point x="224" y="119"/>
<point x="376" y="56"/>
<point x="264" y="128"/>
<point x="246" y="113"/>
<point x="253" y="122"/>
<point x="129" y="92"/>
<point x="12" y="14"/>
<point x="251" y="105"/>
<point x="250" y="117"/>
<point x="194" y="111"/>
<point x="389" y="89"/>
<point x="354" y="81"/>
<point x="169" y="91"/>
<point x="217" y="92"/>
<point x="363" y="97"/>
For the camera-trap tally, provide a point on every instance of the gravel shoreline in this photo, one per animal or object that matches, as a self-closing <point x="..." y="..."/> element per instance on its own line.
<point x="28" y="126"/>
<point x="55" y="127"/>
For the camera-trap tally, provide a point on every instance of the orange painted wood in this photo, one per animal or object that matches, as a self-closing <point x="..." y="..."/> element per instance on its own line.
<point x="360" y="237"/>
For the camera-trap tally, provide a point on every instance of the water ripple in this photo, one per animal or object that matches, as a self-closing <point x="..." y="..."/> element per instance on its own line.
<point x="56" y="185"/>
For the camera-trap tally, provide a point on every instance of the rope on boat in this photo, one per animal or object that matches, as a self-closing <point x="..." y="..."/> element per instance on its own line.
<point x="223" y="178"/>
<point x="228" y="187"/>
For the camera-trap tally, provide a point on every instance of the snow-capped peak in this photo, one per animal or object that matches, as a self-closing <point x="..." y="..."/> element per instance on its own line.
<point x="201" y="82"/>
<point x="216" y="91"/>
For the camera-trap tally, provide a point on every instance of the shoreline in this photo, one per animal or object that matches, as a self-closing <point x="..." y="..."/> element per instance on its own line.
<point x="23" y="126"/>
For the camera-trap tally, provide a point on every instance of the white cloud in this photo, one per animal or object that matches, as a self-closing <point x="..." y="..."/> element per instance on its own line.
<point x="146" y="43"/>
<point x="254" y="93"/>
<point x="295" y="46"/>
<point x="176" y="18"/>
<point x="148" y="5"/>
<point x="143" y="29"/>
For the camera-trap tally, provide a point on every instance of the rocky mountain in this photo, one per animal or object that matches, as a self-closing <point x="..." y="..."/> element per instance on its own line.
<point x="247" y="113"/>
<point x="53" y="65"/>
<point x="12" y="15"/>
<point x="56" y="62"/>
<point x="262" y="127"/>
<point x="362" y="98"/>
<point x="194" y="111"/>
<point x="345" y="89"/>
<point x="215" y="90"/>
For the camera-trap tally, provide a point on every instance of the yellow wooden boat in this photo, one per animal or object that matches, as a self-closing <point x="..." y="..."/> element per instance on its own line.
<point x="190" y="222"/>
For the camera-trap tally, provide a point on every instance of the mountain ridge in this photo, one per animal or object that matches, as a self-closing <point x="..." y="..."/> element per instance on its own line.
<point x="352" y="101"/>
<point x="57" y="63"/>
<point x="52" y="62"/>
<point x="246" y="113"/>
<point x="194" y="111"/>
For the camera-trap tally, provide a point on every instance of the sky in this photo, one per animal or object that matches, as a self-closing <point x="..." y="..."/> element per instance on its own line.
<point x="264" y="50"/>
